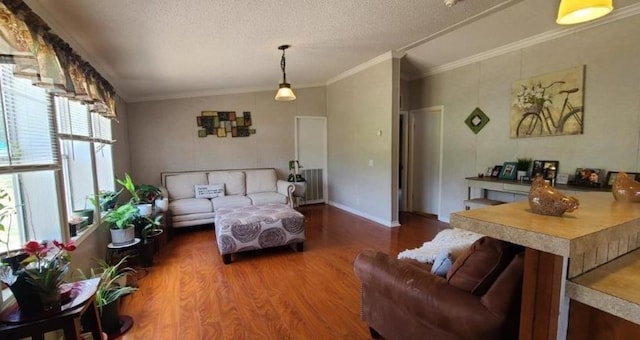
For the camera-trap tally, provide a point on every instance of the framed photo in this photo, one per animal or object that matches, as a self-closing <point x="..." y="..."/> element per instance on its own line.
<point x="611" y="177"/>
<point x="546" y="169"/>
<point x="588" y="177"/>
<point x="496" y="171"/>
<point x="509" y="170"/>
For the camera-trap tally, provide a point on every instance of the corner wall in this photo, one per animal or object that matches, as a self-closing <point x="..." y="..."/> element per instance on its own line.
<point x="611" y="107"/>
<point x="362" y="115"/>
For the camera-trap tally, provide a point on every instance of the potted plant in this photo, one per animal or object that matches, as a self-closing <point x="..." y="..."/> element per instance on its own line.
<point x="296" y="178"/>
<point x="121" y="223"/>
<point x="523" y="166"/>
<point x="111" y="288"/>
<point x="127" y="183"/>
<point x="148" y="229"/>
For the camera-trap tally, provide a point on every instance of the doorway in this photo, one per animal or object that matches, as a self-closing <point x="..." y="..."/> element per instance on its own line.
<point x="425" y="160"/>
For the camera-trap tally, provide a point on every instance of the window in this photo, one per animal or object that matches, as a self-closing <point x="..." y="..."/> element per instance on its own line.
<point x="84" y="141"/>
<point x="47" y="144"/>
<point x="28" y="160"/>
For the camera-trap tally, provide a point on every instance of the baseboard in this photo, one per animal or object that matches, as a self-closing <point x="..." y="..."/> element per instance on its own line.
<point x="388" y="224"/>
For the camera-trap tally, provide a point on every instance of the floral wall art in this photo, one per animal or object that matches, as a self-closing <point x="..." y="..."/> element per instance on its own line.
<point x="548" y="105"/>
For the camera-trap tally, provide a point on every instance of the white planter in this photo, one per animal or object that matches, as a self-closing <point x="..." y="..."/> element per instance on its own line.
<point x="145" y="209"/>
<point x="300" y="188"/>
<point x="162" y="204"/>
<point x="120" y="237"/>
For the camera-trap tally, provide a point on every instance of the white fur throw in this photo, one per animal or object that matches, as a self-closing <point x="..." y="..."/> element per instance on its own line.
<point x="455" y="241"/>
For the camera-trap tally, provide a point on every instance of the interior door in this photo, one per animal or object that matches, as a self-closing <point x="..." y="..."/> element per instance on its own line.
<point x="311" y="153"/>
<point x="426" y="160"/>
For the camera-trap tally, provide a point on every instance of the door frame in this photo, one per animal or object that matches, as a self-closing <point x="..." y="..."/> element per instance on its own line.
<point x="404" y="159"/>
<point x="439" y="109"/>
<point x="325" y="170"/>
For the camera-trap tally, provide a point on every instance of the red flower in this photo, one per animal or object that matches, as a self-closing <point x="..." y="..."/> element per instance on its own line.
<point x="34" y="247"/>
<point x="68" y="247"/>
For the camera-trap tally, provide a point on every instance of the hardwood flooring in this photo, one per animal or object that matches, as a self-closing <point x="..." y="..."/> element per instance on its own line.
<point x="267" y="294"/>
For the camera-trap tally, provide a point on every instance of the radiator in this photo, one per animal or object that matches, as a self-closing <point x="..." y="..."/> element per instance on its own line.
<point x="314" y="192"/>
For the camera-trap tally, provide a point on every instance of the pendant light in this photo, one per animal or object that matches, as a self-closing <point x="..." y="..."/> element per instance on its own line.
<point x="577" y="11"/>
<point x="284" y="92"/>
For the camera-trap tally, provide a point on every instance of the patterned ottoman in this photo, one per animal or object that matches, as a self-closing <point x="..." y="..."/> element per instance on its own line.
<point x="257" y="227"/>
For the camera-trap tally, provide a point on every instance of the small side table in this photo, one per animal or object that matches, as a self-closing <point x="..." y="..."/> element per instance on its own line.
<point x="115" y="252"/>
<point x="13" y="325"/>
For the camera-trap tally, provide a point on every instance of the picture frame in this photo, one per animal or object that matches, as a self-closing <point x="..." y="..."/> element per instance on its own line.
<point x="545" y="169"/>
<point x="611" y="177"/>
<point x="588" y="177"/>
<point x="496" y="171"/>
<point x="509" y="170"/>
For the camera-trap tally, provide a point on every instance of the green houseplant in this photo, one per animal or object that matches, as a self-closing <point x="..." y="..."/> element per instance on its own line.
<point x="111" y="288"/>
<point x="148" y="229"/>
<point x="144" y="206"/>
<point x="121" y="223"/>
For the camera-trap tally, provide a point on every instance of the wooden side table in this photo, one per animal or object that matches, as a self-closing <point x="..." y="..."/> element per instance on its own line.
<point x="14" y="325"/>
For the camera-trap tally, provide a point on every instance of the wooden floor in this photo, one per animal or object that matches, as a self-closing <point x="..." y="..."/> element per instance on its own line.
<point x="267" y="294"/>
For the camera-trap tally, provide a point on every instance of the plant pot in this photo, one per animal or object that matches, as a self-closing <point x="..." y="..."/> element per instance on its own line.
<point x="146" y="253"/>
<point x="300" y="188"/>
<point x="122" y="237"/>
<point x="145" y="209"/>
<point x="85" y="212"/>
<point x="110" y="317"/>
<point x="162" y="204"/>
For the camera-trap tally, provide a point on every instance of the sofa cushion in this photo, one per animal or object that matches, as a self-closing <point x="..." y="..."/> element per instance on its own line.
<point x="262" y="198"/>
<point x="181" y="185"/>
<point x="233" y="181"/>
<point x="209" y="190"/>
<point x="476" y="269"/>
<point x="190" y="206"/>
<point x="262" y="180"/>
<point x="232" y="201"/>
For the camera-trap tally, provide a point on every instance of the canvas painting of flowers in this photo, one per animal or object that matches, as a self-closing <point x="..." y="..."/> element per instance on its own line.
<point x="548" y="105"/>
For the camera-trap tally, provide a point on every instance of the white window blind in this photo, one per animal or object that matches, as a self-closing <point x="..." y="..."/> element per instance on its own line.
<point x="27" y="137"/>
<point x="101" y="128"/>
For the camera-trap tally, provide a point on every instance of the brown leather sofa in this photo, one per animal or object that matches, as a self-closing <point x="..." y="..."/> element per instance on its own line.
<point x="479" y="298"/>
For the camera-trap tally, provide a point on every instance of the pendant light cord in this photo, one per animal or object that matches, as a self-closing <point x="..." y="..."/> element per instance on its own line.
<point x="282" y="66"/>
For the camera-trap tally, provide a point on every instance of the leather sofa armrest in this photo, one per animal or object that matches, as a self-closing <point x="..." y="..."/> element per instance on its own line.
<point x="425" y="296"/>
<point x="286" y="188"/>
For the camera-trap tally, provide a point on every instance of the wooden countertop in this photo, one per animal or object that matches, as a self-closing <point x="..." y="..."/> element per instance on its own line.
<point x="599" y="220"/>
<point x="612" y="287"/>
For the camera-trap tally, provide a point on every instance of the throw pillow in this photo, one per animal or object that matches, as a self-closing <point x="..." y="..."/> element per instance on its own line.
<point x="477" y="269"/>
<point x="209" y="191"/>
<point x="442" y="263"/>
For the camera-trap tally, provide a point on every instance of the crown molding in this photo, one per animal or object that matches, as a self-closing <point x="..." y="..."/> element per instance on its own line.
<point x="623" y="13"/>
<point x="386" y="56"/>
<point x="196" y="94"/>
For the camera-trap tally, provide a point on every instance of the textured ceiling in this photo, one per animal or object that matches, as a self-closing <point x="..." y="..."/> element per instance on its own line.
<point x="168" y="49"/>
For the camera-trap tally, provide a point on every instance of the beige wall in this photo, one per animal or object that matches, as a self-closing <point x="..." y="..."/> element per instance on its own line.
<point x="163" y="135"/>
<point x="358" y="107"/>
<point x="612" y="107"/>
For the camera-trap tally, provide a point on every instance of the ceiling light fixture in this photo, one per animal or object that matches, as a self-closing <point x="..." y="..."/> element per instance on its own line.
<point x="284" y="92"/>
<point x="577" y="11"/>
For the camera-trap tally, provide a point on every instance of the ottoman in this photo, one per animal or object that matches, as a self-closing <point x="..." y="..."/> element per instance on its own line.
<point x="257" y="227"/>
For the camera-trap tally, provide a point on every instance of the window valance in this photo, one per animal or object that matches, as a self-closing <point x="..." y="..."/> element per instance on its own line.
<point x="27" y="42"/>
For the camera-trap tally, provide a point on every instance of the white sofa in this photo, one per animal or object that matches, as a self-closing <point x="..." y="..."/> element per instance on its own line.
<point x="242" y="187"/>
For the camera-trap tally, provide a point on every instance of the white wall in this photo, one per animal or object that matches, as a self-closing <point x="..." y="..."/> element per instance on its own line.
<point x="163" y="135"/>
<point x="611" y="107"/>
<point x="358" y="107"/>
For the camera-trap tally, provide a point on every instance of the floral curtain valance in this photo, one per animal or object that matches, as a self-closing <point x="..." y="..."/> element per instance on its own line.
<point x="27" y="42"/>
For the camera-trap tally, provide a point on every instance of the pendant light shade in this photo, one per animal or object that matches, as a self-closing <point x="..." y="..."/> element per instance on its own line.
<point x="285" y="93"/>
<point x="577" y="11"/>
